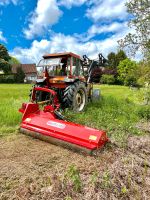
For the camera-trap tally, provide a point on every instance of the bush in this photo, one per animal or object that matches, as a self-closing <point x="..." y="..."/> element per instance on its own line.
<point x="127" y="72"/>
<point x="130" y="81"/>
<point x="107" y="79"/>
<point x="144" y="73"/>
<point x="19" y="76"/>
<point x="7" y="79"/>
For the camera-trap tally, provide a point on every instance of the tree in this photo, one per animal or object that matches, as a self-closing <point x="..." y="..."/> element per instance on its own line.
<point x="144" y="73"/>
<point x="120" y="56"/>
<point x="20" y="75"/>
<point x="5" y="66"/>
<point x="4" y="53"/>
<point x="140" y="22"/>
<point x="13" y="60"/>
<point x="127" y="72"/>
<point x="4" y="58"/>
<point x="114" y="59"/>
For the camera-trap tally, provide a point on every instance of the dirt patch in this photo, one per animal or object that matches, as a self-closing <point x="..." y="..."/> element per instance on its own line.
<point x="32" y="169"/>
<point x="144" y="126"/>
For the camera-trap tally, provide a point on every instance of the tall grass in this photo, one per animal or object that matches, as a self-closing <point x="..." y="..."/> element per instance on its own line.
<point x="11" y="98"/>
<point x="117" y="112"/>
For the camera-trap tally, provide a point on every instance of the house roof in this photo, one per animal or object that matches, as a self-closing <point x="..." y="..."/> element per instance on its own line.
<point x="27" y="68"/>
<point x="54" y="55"/>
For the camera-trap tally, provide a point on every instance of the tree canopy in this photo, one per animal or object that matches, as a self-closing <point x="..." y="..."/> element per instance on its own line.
<point x="4" y="58"/>
<point x="4" y="53"/>
<point x="140" y="22"/>
<point x="114" y="59"/>
<point x="127" y="72"/>
<point x="13" y="60"/>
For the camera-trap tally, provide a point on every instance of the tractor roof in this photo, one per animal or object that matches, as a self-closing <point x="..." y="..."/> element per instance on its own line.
<point x="57" y="55"/>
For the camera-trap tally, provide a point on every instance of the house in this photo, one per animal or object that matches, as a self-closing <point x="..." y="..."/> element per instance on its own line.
<point x="29" y="70"/>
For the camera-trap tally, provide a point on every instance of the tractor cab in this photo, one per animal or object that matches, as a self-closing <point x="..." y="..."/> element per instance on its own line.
<point x="60" y="68"/>
<point x="54" y="67"/>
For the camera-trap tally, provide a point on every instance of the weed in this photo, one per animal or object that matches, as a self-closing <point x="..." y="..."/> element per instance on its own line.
<point x="73" y="175"/>
<point x="67" y="198"/>
<point x="106" y="183"/>
<point x="94" y="178"/>
<point x="124" y="190"/>
<point x="129" y="179"/>
<point x="47" y="181"/>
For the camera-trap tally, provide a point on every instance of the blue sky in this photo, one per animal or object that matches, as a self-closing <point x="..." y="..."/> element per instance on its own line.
<point x="31" y="28"/>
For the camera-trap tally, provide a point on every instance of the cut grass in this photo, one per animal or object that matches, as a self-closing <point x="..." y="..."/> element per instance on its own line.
<point x="117" y="112"/>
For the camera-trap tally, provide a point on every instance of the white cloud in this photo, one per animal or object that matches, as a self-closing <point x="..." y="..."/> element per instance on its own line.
<point x="2" y="38"/>
<point x="46" y="14"/>
<point x="70" y="3"/>
<point x="95" y="29"/>
<point x="109" y="9"/>
<point x="61" y="43"/>
<point x="113" y="27"/>
<point x="5" y="2"/>
<point x="32" y="54"/>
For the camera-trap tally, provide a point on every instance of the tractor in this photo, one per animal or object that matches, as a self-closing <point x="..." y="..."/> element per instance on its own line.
<point x="64" y="80"/>
<point x="70" y="76"/>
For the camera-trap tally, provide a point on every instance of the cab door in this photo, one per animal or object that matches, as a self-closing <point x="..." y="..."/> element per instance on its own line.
<point x="77" y="69"/>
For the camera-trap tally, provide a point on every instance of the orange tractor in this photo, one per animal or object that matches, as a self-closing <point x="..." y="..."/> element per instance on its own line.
<point x="64" y="80"/>
<point x="68" y="75"/>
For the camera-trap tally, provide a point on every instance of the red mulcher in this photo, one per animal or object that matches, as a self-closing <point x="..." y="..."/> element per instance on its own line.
<point x="48" y="125"/>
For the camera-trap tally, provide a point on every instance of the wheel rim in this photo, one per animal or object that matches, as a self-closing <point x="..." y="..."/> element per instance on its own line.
<point x="80" y="100"/>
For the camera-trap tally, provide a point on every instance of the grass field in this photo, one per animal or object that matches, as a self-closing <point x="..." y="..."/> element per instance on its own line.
<point x="117" y="112"/>
<point x="11" y="97"/>
<point x="33" y="169"/>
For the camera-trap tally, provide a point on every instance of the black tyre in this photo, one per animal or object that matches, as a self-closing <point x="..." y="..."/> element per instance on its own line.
<point x="75" y="97"/>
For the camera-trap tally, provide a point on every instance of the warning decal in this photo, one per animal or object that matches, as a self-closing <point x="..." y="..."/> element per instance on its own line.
<point x="27" y="119"/>
<point x="92" y="137"/>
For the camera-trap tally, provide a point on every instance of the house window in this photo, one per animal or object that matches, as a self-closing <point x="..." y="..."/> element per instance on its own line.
<point x="31" y="77"/>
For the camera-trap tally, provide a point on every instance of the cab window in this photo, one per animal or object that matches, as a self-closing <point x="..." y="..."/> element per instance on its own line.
<point x="77" y="67"/>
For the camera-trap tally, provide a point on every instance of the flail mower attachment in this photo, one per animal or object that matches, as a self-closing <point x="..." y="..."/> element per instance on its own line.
<point x="48" y="125"/>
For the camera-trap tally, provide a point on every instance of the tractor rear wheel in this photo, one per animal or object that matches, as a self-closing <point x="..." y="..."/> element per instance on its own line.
<point x="75" y="97"/>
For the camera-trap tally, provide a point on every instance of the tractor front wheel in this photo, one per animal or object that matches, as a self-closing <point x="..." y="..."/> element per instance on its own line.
<point x="75" y="97"/>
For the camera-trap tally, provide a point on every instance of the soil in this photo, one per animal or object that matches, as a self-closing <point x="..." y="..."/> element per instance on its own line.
<point x="36" y="170"/>
<point x="144" y="126"/>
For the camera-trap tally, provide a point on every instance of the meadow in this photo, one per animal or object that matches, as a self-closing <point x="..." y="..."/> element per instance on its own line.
<point x="117" y="112"/>
<point x="11" y="98"/>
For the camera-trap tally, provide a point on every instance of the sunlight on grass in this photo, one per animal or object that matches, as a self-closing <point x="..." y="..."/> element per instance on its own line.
<point x="122" y="92"/>
<point x="11" y="98"/>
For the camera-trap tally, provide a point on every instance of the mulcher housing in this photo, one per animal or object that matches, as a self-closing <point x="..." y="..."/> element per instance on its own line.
<point x="47" y="124"/>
